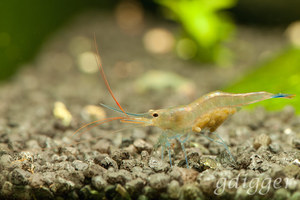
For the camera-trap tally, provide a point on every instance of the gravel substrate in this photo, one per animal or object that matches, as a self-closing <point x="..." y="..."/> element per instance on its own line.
<point x="39" y="158"/>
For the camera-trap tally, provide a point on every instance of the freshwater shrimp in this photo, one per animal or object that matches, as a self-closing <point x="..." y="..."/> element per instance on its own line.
<point x="206" y="113"/>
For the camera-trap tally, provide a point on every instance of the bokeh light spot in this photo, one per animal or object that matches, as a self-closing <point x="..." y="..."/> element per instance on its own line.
<point x="130" y="16"/>
<point x="293" y="33"/>
<point x="158" y="41"/>
<point x="87" y="62"/>
<point x="92" y="112"/>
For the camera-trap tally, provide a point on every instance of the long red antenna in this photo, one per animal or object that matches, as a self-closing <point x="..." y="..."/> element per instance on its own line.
<point x="104" y="77"/>
<point x="101" y="121"/>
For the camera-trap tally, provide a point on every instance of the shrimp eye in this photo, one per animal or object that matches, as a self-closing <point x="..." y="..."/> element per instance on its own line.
<point x="155" y="115"/>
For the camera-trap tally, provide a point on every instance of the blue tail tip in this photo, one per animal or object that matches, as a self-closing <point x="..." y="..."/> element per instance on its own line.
<point x="283" y="96"/>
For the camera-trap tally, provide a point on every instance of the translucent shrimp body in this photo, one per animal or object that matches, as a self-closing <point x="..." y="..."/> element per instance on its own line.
<point x="206" y="113"/>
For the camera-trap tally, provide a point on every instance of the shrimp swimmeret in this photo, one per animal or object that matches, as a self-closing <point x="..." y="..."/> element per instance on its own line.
<point x="206" y="113"/>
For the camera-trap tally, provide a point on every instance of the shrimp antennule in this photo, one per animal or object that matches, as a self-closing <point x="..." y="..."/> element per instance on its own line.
<point x="117" y="110"/>
<point x="104" y="76"/>
<point x="133" y="121"/>
<point x="99" y="122"/>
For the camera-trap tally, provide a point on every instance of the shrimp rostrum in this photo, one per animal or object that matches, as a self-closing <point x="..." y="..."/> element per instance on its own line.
<point x="204" y="114"/>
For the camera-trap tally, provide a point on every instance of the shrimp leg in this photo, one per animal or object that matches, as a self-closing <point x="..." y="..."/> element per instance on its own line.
<point x="163" y="141"/>
<point x="226" y="147"/>
<point x="183" y="149"/>
<point x="162" y="152"/>
<point x="168" y="146"/>
<point x="178" y="136"/>
<point x="221" y="143"/>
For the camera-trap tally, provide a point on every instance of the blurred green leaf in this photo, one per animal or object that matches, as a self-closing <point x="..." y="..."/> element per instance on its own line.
<point x="203" y="22"/>
<point x="25" y="25"/>
<point x="278" y="75"/>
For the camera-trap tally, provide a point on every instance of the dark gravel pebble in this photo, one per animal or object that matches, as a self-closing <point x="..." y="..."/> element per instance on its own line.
<point x="99" y="182"/>
<point x="128" y="164"/>
<point x="135" y="186"/>
<point x="159" y="181"/>
<point x="106" y="161"/>
<point x="7" y="189"/>
<point x="174" y="189"/>
<point x="94" y="170"/>
<point x="261" y="140"/>
<point x="120" y="155"/>
<point x="122" y="176"/>
<point x="79" y="165"/>
<point x="296" y="143"/>
<point x="138" y="172"/>
<point x="190" y="192"/>
<point x="141" y="145"/>
<point x="103" y="146"/>
<point x="158" y="165"/>
<point x="62" y="186"/>
<point x="275" y="147"/>
<point x="43" y="193"/>
<point x="87" y="192"/>
<point x="19" y="177"/>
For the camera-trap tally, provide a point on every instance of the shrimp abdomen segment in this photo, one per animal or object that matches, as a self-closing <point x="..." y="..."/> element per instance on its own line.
<point x="213" y="119"/>
<point x="223" y="99"/>
<point x="219" y="100"/>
